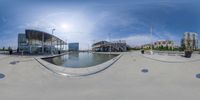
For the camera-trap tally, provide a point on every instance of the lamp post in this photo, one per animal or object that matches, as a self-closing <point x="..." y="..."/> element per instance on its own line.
<point x="65" y="45"/>
<point x="92" y="48"/>
<point x="110" y="42"/>
<point x="52" y="41"/>
<point x="88" y="47"/>
<point x="151" y="32"/>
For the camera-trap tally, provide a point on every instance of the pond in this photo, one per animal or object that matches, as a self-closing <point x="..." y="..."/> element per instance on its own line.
<point x="80" y="59"/>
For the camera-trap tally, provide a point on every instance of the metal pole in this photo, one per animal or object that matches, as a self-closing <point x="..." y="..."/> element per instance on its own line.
<point x="65" y="45"/>
<point x="88" y="47"/>
<point x="151" y="39"/>
<point x="92" y="48"/>
<point x="52" y="41"/>
<point x="151" y="31"/>
<point x="42" y="43"/>
<point x="110" y="42"/>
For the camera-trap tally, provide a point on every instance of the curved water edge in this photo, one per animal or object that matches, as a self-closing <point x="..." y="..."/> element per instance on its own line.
<point x="67" y="71"/>
<point x="80" y="59"/>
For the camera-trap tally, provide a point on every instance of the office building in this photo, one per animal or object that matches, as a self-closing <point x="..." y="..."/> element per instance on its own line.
<point x="73" y="46"/>
<point x="38" y="42"/>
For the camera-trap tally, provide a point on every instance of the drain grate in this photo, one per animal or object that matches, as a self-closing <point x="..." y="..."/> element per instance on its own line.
<point x="14" y="62"/>
<point x="198" y="76"/>
<point x="145" y="70"/>
<point x="2" y="75"/>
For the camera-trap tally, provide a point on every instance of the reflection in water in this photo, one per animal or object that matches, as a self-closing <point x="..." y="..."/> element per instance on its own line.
<point x="73" y="56"/>
<point x="80" y="60"/>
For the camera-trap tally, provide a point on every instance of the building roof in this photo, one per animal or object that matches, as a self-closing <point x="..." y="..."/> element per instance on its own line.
<point x="37" y="35"/>
<point x="100" y="42"/>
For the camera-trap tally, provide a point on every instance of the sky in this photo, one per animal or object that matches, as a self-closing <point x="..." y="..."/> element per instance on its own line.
<point x="89" y="21"/>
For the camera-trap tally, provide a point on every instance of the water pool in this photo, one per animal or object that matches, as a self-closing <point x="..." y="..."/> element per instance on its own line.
<point x="80" y="59"/>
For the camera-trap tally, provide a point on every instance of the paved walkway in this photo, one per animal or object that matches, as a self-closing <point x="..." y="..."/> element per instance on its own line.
<point x="28" y="80"/>
<point x="173" y="58"/>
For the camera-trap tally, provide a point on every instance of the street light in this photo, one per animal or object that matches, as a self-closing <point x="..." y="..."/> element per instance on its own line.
<point x="92" y="48"/>
<point x="88" y="47"/>
<point x="151" y="51"/>
<point x="65" y="45"/>
<point x="52" y="40"/>
<point x="110" y="41"/>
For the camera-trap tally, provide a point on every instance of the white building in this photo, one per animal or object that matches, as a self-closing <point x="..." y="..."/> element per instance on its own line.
<point x="115" y="46"/>
<point x="164" y="43"/>
<point x="168" y="44"/>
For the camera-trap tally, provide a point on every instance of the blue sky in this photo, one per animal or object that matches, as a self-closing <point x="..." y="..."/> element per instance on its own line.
<point x="87" y="21"/>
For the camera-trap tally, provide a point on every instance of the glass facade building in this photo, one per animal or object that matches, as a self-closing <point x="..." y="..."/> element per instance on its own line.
<point x="73" y="46"/>
<point x="38" y="42"/>
<point x="22" y="43"/>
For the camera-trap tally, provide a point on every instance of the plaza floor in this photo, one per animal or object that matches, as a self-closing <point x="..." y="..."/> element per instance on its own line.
<point x="28" y="80"/>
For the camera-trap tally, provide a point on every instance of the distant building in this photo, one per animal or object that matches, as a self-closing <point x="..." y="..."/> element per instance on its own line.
<point x="161" y="44"/>
<point x="73" y="46"/>
<point x="190" y="41"/>
<point x="146" y="46"/>
<point x="38" y="42"/>
<point x="22" y="43"/>
<point x="168" y="44"/>
<point x="104" y="46"/>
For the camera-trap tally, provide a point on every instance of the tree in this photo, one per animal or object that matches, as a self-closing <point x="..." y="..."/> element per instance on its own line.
<point x="9" y="48"/>
<point x="170" y="48"/>
<point x="161" y="47"/>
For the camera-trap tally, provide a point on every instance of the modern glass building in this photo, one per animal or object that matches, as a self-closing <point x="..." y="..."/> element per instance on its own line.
<point x="38" y="42"/>
<point x="73" y="46"/>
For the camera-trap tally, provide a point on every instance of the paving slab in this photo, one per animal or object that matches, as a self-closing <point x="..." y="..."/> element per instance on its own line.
<point x="29" y="80"/>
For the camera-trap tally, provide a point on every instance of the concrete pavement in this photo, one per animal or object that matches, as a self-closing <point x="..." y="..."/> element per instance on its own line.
<point x="28" y="80"/>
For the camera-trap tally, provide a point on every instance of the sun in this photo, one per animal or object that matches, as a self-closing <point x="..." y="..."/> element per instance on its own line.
<point x="64" y="26"/>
